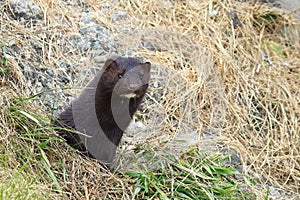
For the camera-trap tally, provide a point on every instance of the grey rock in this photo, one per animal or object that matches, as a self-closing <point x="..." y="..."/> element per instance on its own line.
<point x="95" y="44"/>
<point x="274" y="192"/>
<point x="122" y="28"/>
<point x="25" y="10"/>
<point x="98" y="52"/>
<point x="148" y="45"/>
<point x="86" y="17"/>
<point x="158" y="96"/>
<point x="39" y="87"/>
<point x="43" y="80"/>
<point x="106" y="6"/>
<point x="11" y="43"/>
<point x="91" y="41"/>
<point x="16" y="49"/>
<point x="10" y="47"/>
<point x="49" y="72"/>
<point x="35" y="43"/>
<point x="37" y="46"/>
<point x="95" y="38"/>
<point x="7" y="50"/>
<point x="28" y="71"/>
<point x="291" y="6"/>
<point x="94" y="30"/>
<point x="287" y="5"/>
<point x="119" y="15"/>
<point x="82" y="31"/>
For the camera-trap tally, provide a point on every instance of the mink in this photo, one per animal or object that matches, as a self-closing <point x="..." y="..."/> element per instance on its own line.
<point x="105" y="108"/>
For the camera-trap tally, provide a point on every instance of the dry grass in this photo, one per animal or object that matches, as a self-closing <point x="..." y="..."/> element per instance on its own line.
<point x="261" y="101"/>
<point x="210" y="75"/>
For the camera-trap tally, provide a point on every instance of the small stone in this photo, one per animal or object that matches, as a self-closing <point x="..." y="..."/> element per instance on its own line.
<point x="39" y="87"/>
<point x="97" y="52"/>
<point x="86" y="17"/>
<point x="25" y="10"/>
<point x="274" y="192"/>
<point x="37" y="46"/>
<point x="155" y="84"/>
<point x="235" y="19"/>
<point x="11" y="43"/>
<point x="95" y="44"/>
<point x="7" y="51"/>
<point x="49" y="72"/>
<point x="48" y="85"/>
<point x="148" y="45"/>
<point x="82" y="31"/>
<point x="285" y="64"/>
<point x="119" y="15"/>
<point x="265" y="57"/>
<point x="157" y="96"/>
<point x="213" y="13"/>
<point x="106" y="6"/>
<point x="43" y="80"/>
<point x="15" y="48"/>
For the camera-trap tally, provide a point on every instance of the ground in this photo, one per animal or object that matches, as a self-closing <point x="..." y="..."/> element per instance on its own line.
<point x="225" y="79"/>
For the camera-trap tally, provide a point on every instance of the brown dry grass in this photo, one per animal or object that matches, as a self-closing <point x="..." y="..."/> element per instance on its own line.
<point x="261" y="102"/>
<point x="211" y="74"/>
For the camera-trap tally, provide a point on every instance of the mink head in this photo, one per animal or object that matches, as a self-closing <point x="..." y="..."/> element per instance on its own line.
<point x="125" y="77"/>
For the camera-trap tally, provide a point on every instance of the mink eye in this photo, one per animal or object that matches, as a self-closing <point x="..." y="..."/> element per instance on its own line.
<point x="120" y="76"/>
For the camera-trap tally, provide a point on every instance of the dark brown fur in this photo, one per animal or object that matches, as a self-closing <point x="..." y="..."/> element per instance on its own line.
<point x="120" y="76"/>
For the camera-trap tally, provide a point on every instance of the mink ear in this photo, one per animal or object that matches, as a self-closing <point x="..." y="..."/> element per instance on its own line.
<point x="147" y="66"/>
<point x="110" y="63"/>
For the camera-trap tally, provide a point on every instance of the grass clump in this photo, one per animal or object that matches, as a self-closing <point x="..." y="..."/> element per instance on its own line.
<point x="4" y="67"/>
<point x="196" y="175"/>
<point x="23" y="153"/>
<point x="36" y="164"/>
<point x="16" y="184"/>
<point x="33" y="131"/>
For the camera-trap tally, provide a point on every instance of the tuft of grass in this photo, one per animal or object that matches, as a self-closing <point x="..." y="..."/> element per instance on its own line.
<point x="32" y="130"/>
<point x="48" y="168"/>
<point x="276" y="48"/>
<point x="270" y="17"/>
<point x="196" y="175"/>
<point x="16" y="184"/>
<point x="18" y="179"/>
<point x="4" y="67"/>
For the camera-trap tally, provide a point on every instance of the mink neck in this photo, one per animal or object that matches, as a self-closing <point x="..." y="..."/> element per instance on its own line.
<point x="107" y="116"/>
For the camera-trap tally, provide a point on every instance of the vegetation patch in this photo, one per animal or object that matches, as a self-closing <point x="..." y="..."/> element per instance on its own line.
<point x="230" y="85"/>
<point x="195" y="175"/>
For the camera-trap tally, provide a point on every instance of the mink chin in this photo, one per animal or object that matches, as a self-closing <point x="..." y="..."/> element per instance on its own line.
<point x="105" y="107"/>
